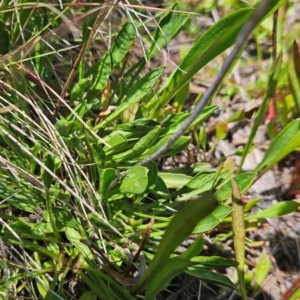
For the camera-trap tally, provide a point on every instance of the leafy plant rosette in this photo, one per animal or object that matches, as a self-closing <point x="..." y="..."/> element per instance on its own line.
<point x="74" y="174"/>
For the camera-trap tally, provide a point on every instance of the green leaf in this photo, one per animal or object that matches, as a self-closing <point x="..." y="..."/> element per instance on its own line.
<point x="101" y="73"/>
<point x="161" y="188"/>
<point x="65" y="128"/>
<point x="139" y="127"/>
<point x="25" y="199"/>
<point x="135" y="182"/>
<point x="214" y="41"/>
<point x="49" y="163"/>
<point x="80" y="87"/>
<point x="283" y="144"/>
<point x="143" y="144"/>
<point x="152" y="176"/>
<point x="169" y="27"/>
<point x="244" y="181"/>
<point x="277" y="210"/>
<point x="180" y="145"/>
<point x="251" y="204"/>
<point x="88" y="296"/>
<point x="74" y="237"/>
<point x="211" y="277"/>
<point x="212" y="220"/>
<point x="178" y="230"/>
<point x="106" y="178"/>
<point x="221" y="130"/>
<point x="122" y="43"/>
<point x="80" y="109"/>
<point x="214" y="261"/>
<point x="164" y="275"/>
<point x="97" y="155"/>
<point x="173" y="180"/>
<point x="173" y="124"/>
<point x="194" y="249"/>
<point x="134" y="95"/>
<point x="115" y="140"/>
<point x="202" y="182"/>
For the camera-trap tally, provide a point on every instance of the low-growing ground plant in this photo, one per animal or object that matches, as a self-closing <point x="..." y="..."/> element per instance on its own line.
<point x="88" y="209"/>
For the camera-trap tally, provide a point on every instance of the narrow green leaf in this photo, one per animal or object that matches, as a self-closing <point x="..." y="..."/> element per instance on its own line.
<point x="47" y="178"/>
<point x="115" y="140"/>
<point x="221" y="130"/>
<point x="140" y="127"/>
<point x="209" y="181"/>
<point x="285" y="142"/>
<point x="212" y="220"/>
<point x="134" y="95"/>
<point x="106" y="178"/>
<point x="180" y="144"/>
<point x="152" y="176"/>
<point x="98" y="155"/>
<point x="277" y="210"/>
<point x="168" y="28"/>
<point x="143" y="144"/>
<point x="80" y="109"/>
<point x="175" y="122"/>
<point x="211" y="277"/>
<point x="122" y="43"/>
<point x="214" y="41"/>
<point x="74" y="237"/>
<point x="244" y="181"/>
<point x="200" y="179"/>
<point x="101" y="73"/>
<point x="79" y="88"/>
<point x="164" y="275"/>
<point x="214" y="261"/>
<point x="194" y="249"/>
<point x="161" y="188"/>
